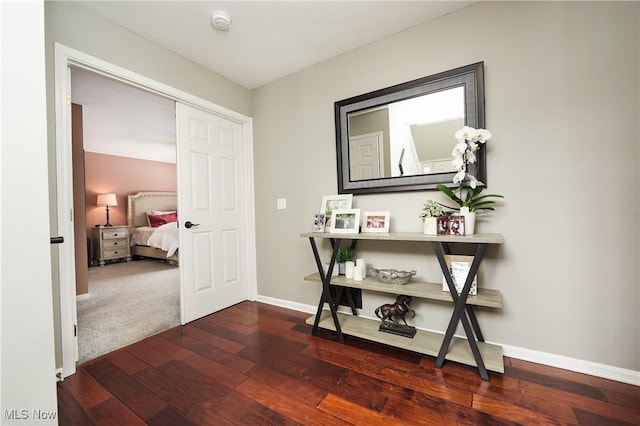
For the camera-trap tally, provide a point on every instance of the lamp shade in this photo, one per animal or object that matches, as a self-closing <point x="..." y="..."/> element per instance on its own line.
<point x="107" y="200"/>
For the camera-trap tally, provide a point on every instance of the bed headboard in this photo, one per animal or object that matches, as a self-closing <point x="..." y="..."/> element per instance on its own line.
<point x="140" y="203"/>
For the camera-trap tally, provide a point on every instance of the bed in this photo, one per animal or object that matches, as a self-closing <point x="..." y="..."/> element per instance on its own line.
<point x="161" y="240"/>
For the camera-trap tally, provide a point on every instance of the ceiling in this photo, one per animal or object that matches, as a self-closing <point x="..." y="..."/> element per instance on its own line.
<point x="268" y="40"/>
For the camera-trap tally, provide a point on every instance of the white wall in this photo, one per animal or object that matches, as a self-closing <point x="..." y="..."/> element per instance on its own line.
<point x="27" y="386"/>
<point x="562" y="102"/>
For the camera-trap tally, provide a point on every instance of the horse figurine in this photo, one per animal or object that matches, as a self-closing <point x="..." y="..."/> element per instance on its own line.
<point x="395" y="311"/>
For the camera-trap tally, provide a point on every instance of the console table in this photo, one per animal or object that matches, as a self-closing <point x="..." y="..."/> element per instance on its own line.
<point x="471" y="351"/>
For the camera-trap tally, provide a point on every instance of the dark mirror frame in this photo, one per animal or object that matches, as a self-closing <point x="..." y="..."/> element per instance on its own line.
<point x="471" y="77"/>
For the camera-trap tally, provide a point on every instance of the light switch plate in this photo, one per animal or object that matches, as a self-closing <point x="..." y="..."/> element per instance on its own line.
<point x="282" y="203"/>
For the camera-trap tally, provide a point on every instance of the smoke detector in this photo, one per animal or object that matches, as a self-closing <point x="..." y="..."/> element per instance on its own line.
<point x="220" y="20"/>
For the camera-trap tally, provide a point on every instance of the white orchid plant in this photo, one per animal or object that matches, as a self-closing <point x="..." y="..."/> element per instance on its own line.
<point x="464" y="153"/>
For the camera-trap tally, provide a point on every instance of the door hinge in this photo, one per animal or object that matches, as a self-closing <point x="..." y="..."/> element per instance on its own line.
<point x="70" y="215"/>
<point x="75" y="330"/>
<point x="68" y="99"/>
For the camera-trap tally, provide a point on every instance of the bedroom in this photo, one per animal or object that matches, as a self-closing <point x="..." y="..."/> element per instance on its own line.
<point x="124" y="143"/>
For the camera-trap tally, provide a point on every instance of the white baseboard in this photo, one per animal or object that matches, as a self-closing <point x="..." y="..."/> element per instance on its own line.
<point x="84" y="296"/>
<point x="552" y="360"/>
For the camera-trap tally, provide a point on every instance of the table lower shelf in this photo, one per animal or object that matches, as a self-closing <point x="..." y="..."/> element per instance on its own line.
<point x="424" y="342"/>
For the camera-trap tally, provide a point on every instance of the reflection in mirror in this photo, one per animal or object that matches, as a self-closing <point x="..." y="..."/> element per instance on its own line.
<point x="404" y="138"/>
<point x="401" y="138"/>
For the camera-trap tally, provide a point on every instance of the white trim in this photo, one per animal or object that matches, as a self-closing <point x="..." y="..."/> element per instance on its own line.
<point x="572" y="364"/>
<point x="558" y="361"/>
<point x="85" y="296"/>
<point x="65" y="57"/>
<point x="64" y="186"/>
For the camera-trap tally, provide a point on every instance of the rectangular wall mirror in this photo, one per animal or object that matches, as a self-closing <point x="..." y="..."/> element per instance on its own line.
<point x="400" y="138"/>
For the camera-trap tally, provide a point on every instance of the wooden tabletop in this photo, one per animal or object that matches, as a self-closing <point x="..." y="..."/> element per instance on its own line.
<point x="411" y="236"/>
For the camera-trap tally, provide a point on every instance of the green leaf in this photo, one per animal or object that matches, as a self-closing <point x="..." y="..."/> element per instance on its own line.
<point x="449" y="193"/>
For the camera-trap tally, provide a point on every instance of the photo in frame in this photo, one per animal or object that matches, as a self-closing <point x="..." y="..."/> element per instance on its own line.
<point x="345" y="221"/>
<point x="376" y="221"/>
<point x="331" y="203"/>
<point x="451" y="225"/>
<point x="459" y="267"/>
<point x="318" y="222"/>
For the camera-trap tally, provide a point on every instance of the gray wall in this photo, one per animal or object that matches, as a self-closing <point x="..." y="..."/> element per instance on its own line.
<point x="77" y="28"/>
<point x="562" y="92"/>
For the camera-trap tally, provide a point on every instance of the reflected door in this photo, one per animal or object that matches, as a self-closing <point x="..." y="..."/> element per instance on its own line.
<point x="366" y="160"/>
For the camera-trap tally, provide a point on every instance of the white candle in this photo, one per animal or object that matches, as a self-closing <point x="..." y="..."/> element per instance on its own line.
<point x="348" y="269"/>
<point x="360" y="262"/>
<point x="357" y="273"/>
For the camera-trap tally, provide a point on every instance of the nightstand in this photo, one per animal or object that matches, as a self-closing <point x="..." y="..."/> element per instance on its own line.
<point x="110" y="243"/>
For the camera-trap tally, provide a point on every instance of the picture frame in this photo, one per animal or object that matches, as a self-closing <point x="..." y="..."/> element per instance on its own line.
<point x="331" y="203"/>
<point x="318" y="222"/>
<point x="451" y="225"/>
<point x="376" y="221"/>
<point x="459" y="266"/>
<point x="345" y="221"/>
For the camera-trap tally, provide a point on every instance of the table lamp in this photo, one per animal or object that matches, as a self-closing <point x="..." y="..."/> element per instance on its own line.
<point x="107" y="200"/>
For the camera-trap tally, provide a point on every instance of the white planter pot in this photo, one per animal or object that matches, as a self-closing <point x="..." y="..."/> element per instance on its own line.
<point x="431" y="226"/>
<point x="336" y="269"/>
<point x="469" y="221"/>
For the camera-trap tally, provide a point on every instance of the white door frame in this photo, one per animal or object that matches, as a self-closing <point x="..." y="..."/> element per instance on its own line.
<point x="65" y="57"/>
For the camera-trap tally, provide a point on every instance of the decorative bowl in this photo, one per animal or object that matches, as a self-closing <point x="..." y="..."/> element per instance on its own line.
<point x="392" y="276"/>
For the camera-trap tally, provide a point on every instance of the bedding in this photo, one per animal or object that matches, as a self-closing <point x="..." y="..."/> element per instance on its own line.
<point x="163" y="237"/>
<point x="152" y="219"/>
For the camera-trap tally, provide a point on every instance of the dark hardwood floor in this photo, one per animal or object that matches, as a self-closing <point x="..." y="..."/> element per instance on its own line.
<point x="256" y="364"/>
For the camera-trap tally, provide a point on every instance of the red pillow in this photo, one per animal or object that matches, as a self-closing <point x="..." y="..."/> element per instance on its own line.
<point x="156" y="220"/>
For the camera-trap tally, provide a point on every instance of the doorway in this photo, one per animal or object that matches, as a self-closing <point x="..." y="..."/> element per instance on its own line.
<point x="244" y="238"/>
<point x="124" y="142"/>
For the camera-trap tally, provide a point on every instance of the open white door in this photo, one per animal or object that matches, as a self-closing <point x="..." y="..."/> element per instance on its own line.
<point x="211" y="212"/>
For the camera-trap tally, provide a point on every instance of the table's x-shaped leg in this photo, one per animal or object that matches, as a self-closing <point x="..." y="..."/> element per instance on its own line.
<point x="461" y="309"/>
<point x="326" y="294"/>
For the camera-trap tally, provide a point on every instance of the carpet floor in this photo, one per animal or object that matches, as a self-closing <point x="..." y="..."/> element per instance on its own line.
<point x="128" y="302"/>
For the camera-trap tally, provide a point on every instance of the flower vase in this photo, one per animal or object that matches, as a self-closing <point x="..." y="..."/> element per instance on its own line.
<point x="431" y="226"/>
<point x="469" y="220"/>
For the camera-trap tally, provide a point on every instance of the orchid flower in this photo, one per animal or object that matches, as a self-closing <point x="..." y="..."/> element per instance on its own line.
<point x="458" y="162"/>
<point x="482" y="135"/>
<point x="459" y="149"/>
<point x="466" y="133"/>
<point x="471" y="157"/>
<point x="459" y="177"/>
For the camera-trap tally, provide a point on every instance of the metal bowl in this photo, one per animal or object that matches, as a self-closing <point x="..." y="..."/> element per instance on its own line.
<point x="392" y="276"/>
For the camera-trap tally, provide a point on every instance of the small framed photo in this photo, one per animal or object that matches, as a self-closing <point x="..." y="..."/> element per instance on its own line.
<point x="451" y="225"/>
<point x="459" y="267"/>
<point x="331" y="203"/>
<point x="375" y="222"/>
<point x="318" y="222"/>
<point x="345" y="221"/>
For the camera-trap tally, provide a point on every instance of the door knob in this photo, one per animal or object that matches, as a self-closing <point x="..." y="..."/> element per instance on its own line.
<point x="188" y="224"/>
